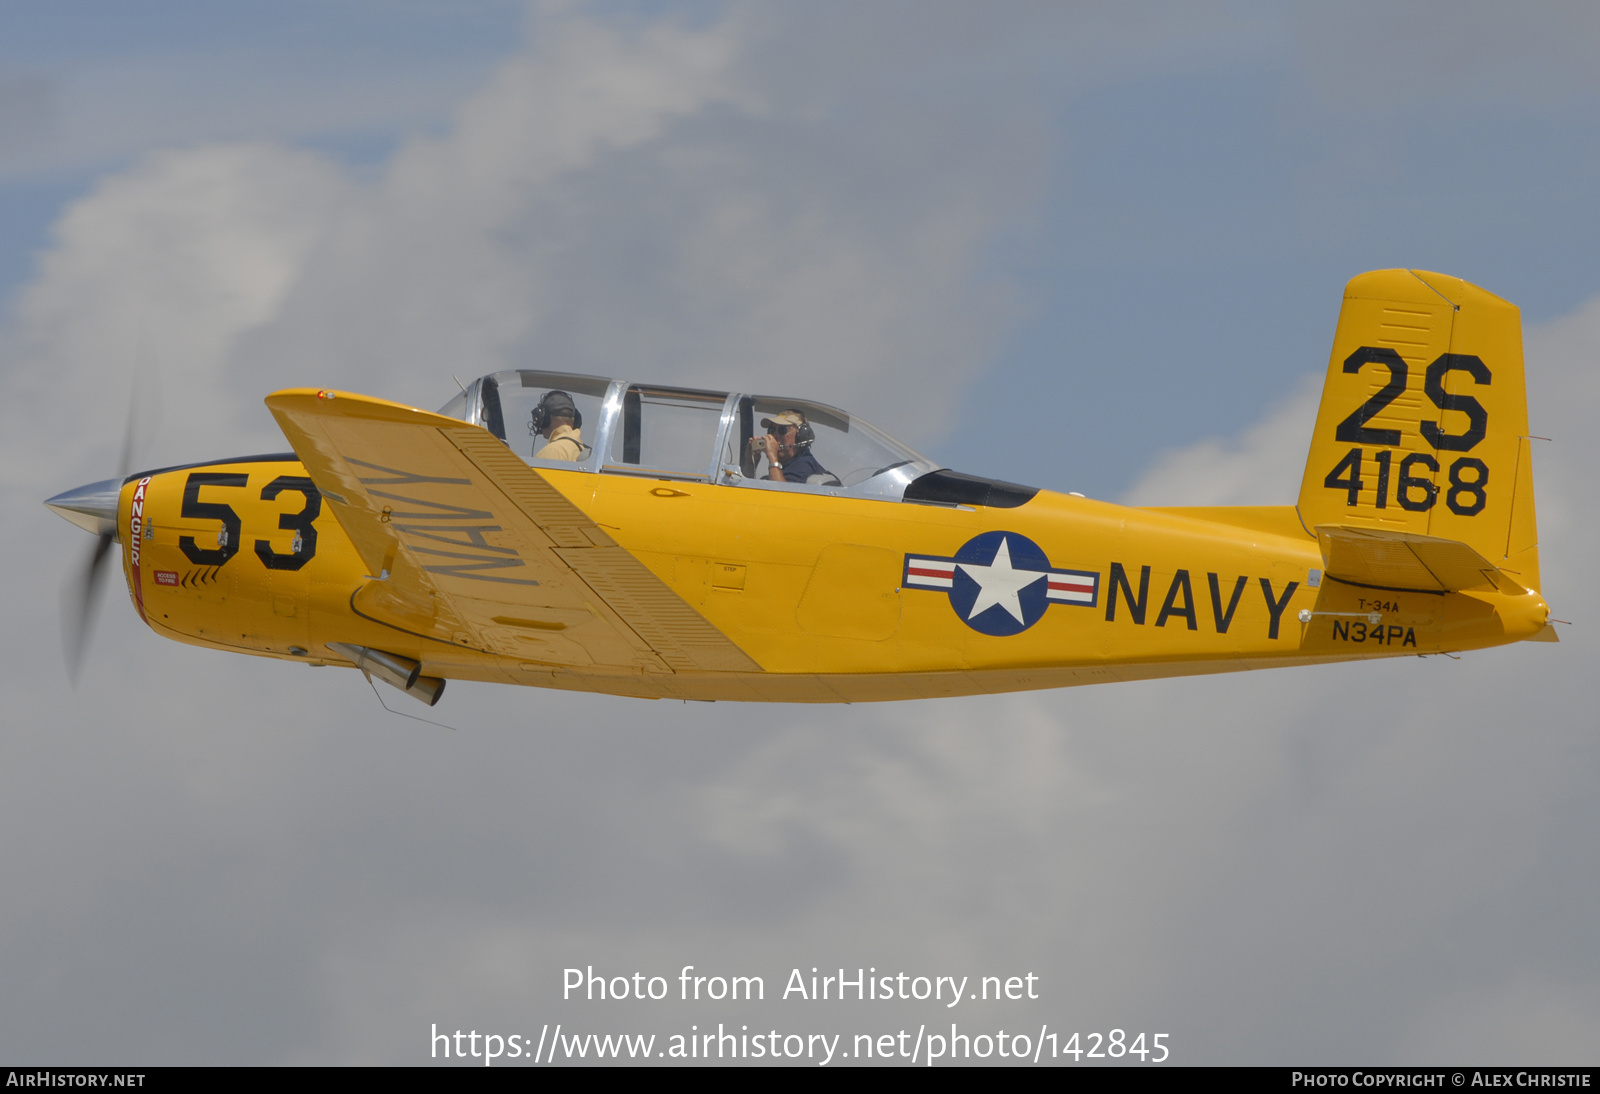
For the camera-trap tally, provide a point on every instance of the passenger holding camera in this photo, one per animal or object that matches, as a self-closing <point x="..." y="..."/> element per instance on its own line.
<point x="787" y="445"/>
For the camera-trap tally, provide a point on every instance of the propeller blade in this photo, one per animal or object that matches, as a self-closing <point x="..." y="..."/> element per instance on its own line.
<point x="78" y="604"/>
<point x="127" y="437"/>
<point x="94" y="508"/>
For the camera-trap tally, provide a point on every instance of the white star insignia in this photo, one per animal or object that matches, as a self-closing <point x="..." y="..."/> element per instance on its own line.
<point x="999" y="584"/>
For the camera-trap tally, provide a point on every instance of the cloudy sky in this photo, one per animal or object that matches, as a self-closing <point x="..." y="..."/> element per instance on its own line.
<point x="1091" y="247"/>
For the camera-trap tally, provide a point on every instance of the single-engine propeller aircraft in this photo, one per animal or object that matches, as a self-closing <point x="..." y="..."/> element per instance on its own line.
<point x="604" y="535"/>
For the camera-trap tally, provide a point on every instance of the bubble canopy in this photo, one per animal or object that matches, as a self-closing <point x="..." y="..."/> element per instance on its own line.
<point x="691" y="434"/>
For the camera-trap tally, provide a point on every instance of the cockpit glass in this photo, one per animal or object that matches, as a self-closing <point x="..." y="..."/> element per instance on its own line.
<point x="768" y="442"/>
<point x="545" y="417"/>
<point x="830" y="449"/>
<point x="667" y="429"/>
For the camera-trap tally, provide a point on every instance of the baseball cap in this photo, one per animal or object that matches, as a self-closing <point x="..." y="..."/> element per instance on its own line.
<point x="784" y="418"/>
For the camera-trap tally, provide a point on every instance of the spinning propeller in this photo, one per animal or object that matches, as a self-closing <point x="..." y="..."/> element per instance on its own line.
<point x="94" y="509"/>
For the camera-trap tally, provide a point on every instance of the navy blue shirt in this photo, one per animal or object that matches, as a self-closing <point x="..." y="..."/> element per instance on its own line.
<point x="802" y="467"/>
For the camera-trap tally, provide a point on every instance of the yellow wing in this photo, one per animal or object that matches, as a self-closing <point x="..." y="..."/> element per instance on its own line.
<point x="470" y="546"/>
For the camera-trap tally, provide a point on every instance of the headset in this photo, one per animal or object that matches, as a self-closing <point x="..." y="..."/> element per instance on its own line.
<point x="551" y="404"/>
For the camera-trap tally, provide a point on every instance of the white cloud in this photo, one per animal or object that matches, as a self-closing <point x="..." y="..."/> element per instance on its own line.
<point x="1261" y="466"/>
<point x="67" y="107"/>
<point x="623" y="201"/>
<point x="154" y="278"/>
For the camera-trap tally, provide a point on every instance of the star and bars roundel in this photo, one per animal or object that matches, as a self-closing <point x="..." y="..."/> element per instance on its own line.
<point x="1000" y="583"/>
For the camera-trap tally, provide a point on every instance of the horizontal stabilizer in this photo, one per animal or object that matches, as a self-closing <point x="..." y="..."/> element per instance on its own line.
<point x="1406" y="560"/>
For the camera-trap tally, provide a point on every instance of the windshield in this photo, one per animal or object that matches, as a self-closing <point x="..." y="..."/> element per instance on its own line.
<point x="461" y="406"/>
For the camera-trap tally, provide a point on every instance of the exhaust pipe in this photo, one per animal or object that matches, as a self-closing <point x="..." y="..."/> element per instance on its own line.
<point x="398" y="672"/>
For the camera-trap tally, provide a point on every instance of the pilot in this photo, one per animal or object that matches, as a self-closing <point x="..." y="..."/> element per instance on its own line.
<point x="788" y="448"/>
<point x="558" y="420"/>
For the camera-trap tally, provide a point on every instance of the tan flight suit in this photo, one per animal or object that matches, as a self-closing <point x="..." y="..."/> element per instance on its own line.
<point x="564" y="444"/>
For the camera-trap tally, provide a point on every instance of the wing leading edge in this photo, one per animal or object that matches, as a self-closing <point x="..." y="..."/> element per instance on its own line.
<point x="468" y="545"/>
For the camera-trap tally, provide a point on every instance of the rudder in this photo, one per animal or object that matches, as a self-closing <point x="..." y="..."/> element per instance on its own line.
<point x="1423" y="426"/>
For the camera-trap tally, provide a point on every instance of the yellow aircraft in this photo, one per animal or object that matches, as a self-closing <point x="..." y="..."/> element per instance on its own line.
<point x="603" y="535"/>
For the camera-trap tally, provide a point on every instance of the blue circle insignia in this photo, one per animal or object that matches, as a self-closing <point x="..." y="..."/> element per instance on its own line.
<point x="1000" y="586"/>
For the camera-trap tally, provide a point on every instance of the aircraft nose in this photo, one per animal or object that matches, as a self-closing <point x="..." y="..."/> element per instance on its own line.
<point x="92" y="508"/>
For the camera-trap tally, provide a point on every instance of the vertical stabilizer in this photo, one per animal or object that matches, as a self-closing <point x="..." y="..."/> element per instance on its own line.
<point x="1423" y="426"/>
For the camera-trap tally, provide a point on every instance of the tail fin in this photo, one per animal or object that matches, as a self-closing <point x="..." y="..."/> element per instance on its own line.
<point x="1424" y="421"/>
